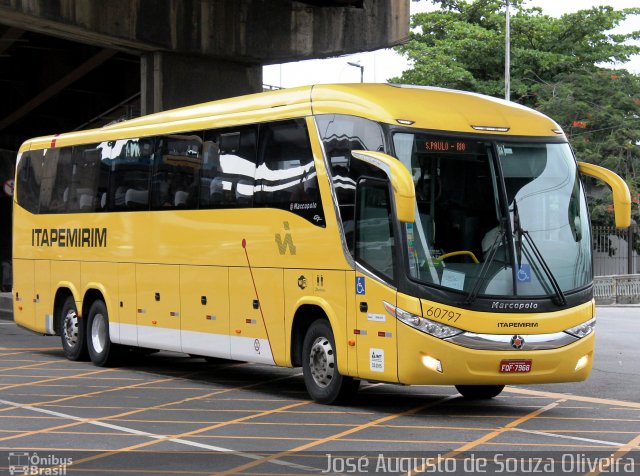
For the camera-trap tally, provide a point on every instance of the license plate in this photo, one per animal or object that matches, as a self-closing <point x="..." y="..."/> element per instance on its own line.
<point x="515" y="366"/>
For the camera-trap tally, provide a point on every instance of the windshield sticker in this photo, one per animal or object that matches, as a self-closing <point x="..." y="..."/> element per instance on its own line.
<point x="453" y="279"/>
<point x="524" y="273"/>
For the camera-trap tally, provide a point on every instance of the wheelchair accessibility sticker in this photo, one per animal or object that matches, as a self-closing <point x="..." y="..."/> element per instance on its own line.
<point x="524" y="273"/>
<point x="360" y="285"/>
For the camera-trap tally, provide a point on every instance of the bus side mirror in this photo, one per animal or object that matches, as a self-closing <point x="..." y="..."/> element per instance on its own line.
<point x="404" y="193"/>
<point x="621" y="195"/>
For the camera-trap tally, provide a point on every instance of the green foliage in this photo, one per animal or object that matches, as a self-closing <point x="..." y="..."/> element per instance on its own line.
<point x="558" y="66"/>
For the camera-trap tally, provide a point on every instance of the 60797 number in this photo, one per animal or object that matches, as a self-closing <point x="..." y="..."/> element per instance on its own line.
<point x="441" y="313"/>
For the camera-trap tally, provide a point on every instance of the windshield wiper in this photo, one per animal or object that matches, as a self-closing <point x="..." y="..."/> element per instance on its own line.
<point x="473" y="294"/>
<point x="519" y="232"/>
<point x="519" y="235"/>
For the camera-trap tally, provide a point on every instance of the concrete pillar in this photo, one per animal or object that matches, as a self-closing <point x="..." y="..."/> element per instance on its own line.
<point x="170" y="80"/>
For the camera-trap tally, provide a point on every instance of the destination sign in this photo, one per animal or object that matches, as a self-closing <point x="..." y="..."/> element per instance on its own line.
<point x="455" y="146"/>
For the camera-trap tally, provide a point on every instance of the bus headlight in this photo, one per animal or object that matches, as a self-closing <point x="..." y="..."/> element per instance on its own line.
<point x="435" y="329"/>
<point x="582" y="330"/>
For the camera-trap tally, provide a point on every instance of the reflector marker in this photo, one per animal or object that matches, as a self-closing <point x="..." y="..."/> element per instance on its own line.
<point x="491" y="128"/>
<point x="385" y="334"/>
<point x="360" y="332"/>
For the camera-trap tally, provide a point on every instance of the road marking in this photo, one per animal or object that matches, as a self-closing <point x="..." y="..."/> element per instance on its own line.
<point x="46" y="380"/>
<point x="489" y="436"/>
<point x="78" y="421"/>
<point x="25" y="349"/>
<point x="576" y="398"/>
<point x="39" y="364"/>
<point x="320" y="441"/>
<point x="632" y="445"/>
<point x="577" y="438"/>
<point x="157" y="438"/>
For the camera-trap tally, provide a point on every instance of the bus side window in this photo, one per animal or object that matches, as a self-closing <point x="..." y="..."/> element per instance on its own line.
<point x="229" y="168"/>
<point x="174" y="174"/>
<point x="340" y="135"/>
<point x="210" y="168"/>
<point x="56" y="180"/>
<point x="286" y="176"/>
<point x="374" y="227"/>
<point x="29" y="178"/>
<point x="83" y="194"/>
<point x="131" y="164"/>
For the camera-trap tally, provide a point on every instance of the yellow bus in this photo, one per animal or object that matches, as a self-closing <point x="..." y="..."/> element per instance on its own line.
<point x="364" y="232"/>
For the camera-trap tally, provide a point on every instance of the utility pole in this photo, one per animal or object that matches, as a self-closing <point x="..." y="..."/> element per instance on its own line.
<point x="507" y="56"/>
<point x="358" y="65"/>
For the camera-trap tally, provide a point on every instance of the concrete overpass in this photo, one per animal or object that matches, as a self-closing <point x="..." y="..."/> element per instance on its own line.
<point x="79" y="58"/>
<point x="76" y="64"/>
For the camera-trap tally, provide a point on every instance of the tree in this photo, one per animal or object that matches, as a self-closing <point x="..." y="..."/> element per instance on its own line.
<point x="557" y="67"/>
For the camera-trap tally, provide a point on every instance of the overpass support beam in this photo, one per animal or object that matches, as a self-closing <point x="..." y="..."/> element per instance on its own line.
<point x="171" y="80"/>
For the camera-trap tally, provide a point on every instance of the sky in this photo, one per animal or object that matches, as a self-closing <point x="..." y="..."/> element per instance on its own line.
<point x="381" y="65"/>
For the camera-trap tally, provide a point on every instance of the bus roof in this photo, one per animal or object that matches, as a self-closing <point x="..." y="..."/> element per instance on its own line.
<point x="414" y="106"/>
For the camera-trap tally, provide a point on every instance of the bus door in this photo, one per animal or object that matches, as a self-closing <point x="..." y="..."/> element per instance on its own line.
<point x="374" y="250"/>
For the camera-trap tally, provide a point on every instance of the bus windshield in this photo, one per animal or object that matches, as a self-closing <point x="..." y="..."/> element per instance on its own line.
<point x="495" y="218"/>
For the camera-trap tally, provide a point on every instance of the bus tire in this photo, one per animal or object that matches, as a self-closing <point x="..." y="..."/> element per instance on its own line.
<point x="72" y="331"/>
<point x="101" y="351"/>
<point x="479" y="392"/>
<point x="324" y="382"/>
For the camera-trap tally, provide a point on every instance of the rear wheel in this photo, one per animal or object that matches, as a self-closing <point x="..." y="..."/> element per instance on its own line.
<point x="324" y="382"/>
<point x="101" y="351"/>
<point x="72" y="331"/>
<point x="479" y="392"/>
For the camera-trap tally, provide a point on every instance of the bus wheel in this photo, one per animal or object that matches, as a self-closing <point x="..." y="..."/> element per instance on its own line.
<point x="72" y="331"/>
<point x="479" y="392"/>
<point x="320" y="367"/>
<point x="101" y="350"/>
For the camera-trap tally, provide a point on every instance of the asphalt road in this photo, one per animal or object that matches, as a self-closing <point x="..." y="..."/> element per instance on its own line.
<point x="170" y="414"/>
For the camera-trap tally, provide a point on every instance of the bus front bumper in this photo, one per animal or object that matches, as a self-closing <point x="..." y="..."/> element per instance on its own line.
<point x="426" y="360"/>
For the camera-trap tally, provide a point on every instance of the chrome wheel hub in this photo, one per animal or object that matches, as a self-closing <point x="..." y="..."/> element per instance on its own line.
<point x="70" y="328"/>
<point x="322" y="362"/>
<point x="98" y="333"/>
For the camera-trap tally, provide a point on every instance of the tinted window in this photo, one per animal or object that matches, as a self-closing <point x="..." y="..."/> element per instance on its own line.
<point x="340" y="135"/>
<point x="88" y="180"/>
<point x="29" y="178"/>
<point x="55" y="188"/>
<point x="374" y="237"/>
<point x="228" y="168"/>
<point x="174" y="182"/>
<point x="286" y="176"/>
<point x="131" y="161"/>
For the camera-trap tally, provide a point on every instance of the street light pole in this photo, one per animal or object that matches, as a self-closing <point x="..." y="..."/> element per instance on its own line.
<point x="507" y="55"/>
<point x="358" y="65"/>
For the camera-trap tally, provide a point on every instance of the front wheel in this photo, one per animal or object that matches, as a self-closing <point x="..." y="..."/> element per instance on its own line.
<point x="101" y="351"/>
<point x="324" y="382"/>
<point x="479" y="392"/>
<point x="72" y="331"/>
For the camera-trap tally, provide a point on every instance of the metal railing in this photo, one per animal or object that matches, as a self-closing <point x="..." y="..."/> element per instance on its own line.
<point x="616" y="262"/>
<point x="617" y="289"/>
<point x="615" y="251"/>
